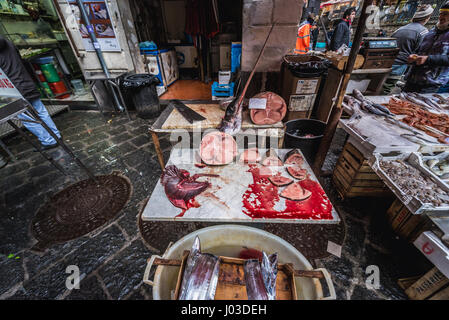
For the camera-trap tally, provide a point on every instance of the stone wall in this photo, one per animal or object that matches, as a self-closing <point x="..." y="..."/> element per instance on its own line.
<point x="258" y="17"/>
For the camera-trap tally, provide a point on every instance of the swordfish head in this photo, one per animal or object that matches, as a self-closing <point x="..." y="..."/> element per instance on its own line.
<point x="232" y="120"/>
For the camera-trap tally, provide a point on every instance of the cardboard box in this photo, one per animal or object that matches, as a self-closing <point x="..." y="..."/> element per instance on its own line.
<point x="187" y="56"/>
<point x="225" y="56"/>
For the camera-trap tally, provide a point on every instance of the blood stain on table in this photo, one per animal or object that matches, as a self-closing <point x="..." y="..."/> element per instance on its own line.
<point x="261" y="197"/>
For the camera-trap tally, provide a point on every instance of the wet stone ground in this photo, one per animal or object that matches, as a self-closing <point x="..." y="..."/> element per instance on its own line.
<point x="112" y="258"/>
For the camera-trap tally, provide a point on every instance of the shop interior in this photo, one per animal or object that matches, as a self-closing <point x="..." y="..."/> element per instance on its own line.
<point x="205" y="37"/>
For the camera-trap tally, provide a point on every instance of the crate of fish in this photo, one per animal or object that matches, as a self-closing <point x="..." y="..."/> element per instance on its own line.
<point x="204" y="276"/>
<point x="419" y="191"/>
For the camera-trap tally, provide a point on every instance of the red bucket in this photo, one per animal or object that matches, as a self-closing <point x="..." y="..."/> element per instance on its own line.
<point x="58" y="88"/>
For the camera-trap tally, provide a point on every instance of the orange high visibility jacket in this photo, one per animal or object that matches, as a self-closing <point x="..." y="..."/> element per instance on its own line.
<point x="303" y="38"/>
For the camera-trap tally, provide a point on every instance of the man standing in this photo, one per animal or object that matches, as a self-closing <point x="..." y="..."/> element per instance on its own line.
<point x="430" y="66"/>
<point x="303" y="36"/>
<point x="11" y="64"/>
<point x="342" y="33"/>
<point x="409" y="38"/>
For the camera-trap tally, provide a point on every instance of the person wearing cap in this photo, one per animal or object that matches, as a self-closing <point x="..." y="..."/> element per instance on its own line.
<point x="409" y="38"/>
<point x="342" y="31"/>
<point x="303" y="36"/>
<point x="430" y="65"/>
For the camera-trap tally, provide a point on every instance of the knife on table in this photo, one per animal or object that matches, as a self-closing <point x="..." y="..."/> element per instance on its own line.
<point x="186" y="112"/>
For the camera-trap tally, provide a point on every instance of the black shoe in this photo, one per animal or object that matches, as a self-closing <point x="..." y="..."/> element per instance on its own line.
<point x="48" y="147"/>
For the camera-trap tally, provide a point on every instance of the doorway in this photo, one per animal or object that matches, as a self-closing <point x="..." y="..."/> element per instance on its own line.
<point x="201" y="33"/>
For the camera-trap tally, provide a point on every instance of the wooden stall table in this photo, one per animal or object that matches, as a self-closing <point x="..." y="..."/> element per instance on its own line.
<point x="170" y="121"/>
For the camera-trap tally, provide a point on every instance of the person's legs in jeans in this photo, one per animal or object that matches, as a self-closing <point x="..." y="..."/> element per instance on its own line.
<point x="38" y="130"/>
<point x="396" y="73"/>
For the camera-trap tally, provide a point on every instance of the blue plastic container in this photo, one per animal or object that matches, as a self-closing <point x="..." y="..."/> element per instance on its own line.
<point x="44" y="60"/>
<point x="236" y="55"/>
<point x="226" y="90"/>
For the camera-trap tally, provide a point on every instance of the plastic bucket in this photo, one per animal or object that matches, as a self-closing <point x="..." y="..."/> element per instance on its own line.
<point x="47" y="89"/>
<point x="294" y="129"/>
<point x="50" y="72"/>
<point x="79" y="87"/>
<point x="59" y="88"/>
<point x="228" y="240"/>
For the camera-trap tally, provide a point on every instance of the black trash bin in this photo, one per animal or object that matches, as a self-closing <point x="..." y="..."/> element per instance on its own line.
<point x="295" y="130"/>
<point x="142" y="89"/>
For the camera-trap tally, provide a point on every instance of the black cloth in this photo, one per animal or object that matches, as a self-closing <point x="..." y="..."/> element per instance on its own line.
<point x="409" y="38"/>
<point x="12" y="65"/>
<point x="340" y="36"/>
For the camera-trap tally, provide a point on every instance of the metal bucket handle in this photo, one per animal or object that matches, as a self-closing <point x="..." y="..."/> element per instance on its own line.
<point x="150" y="264"/>
<point x="330" y="285"/>
<point x="148" y="268"/>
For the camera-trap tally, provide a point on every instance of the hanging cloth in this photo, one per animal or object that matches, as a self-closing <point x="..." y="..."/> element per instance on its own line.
<point x="201" y="18"/>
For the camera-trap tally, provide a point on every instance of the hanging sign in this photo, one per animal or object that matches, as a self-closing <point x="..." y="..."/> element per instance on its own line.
<point x="8" y="92"/>
<point x="100" y="24"/>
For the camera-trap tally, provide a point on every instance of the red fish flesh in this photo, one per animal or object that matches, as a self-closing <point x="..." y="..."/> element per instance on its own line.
<point x="250" y="156"/>
<point x="180" y="187"/>
<point x="260" y="277"/>
<point x="294" y="157"/>
<point x="274" y="112"/>
<point x="218" y="148"/>
<point x="295" y="192"/>
<point x="297" y="172"/>
<point x="280" y="181"/>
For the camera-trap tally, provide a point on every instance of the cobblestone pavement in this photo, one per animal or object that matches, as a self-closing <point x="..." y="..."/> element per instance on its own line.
<point x="112" y="258"/>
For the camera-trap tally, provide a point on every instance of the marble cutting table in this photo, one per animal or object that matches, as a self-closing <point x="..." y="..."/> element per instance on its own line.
<point x="223" y="201"/>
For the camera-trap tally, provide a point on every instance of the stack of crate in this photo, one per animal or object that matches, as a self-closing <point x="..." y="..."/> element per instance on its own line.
<point x="432" y="286"/>
<point x="406" y="224"/>
<point x="353" y="177"/>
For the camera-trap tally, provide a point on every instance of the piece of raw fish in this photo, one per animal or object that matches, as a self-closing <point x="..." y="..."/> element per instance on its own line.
<point x="255" y="287"/>
<point x="269" y="274"/>
<point x="180" y="187"/>
<point x="200" y="276"/>
<point x="260" y="277"/>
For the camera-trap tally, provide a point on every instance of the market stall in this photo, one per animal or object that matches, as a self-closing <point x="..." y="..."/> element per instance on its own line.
<point x="401" y="147"/>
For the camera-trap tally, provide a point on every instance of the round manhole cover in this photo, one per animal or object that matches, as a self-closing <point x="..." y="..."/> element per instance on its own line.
<point x="310" y="239"/>
<point x="80" y="209"/>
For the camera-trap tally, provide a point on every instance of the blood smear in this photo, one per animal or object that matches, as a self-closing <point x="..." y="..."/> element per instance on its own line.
<point x="261" y="197"/>
<point x="192" y="203"/>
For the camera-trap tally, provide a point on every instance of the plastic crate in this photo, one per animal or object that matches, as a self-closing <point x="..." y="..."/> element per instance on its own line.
<point x="222" y="90"/>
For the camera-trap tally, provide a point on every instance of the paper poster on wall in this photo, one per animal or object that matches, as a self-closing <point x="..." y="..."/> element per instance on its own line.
<point x="100" y="20"/>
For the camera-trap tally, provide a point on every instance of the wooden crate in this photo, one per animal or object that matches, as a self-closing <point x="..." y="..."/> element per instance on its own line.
<point x="406" y="224"/>
<point x="231" y="280"/>
<point x="432" y="286"/>
<point x="353" y="177"/>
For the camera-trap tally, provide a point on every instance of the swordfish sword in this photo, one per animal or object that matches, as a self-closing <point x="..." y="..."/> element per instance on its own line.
<point x="232" y="121"/>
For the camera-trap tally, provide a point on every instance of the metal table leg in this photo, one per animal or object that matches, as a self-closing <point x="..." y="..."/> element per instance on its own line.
<point x="46" y="156"/>
<point x="157" y="146"/>
<point x="4" y="147"/>
<point x="60" y="142"/>
<point x="120" y="96"/>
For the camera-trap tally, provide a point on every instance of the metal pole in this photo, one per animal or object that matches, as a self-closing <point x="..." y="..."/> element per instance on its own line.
<point x="23" y="134"/>
<point x="60" y="142"/>
<point x="90" y="30"/>
<point x="337" y="108"/>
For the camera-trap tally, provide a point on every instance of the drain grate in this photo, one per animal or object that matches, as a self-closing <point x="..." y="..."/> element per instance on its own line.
<point x="310" y="239"/>
<point x="80" y="209"/>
